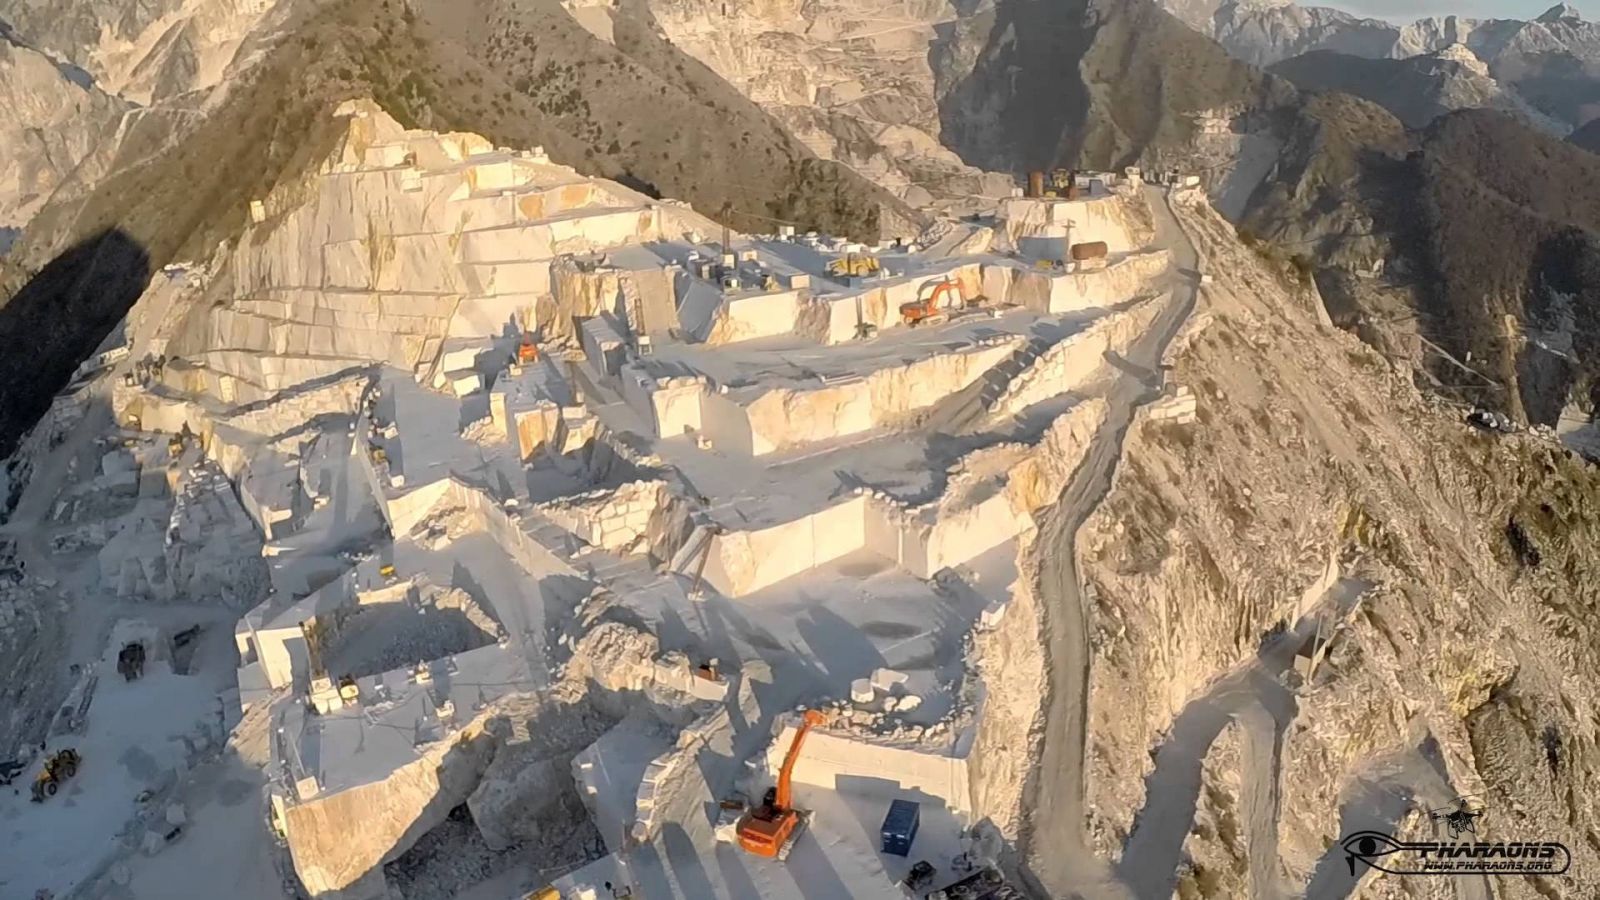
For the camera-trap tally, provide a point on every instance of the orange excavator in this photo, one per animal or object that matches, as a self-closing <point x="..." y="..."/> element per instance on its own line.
<point x="771" y="829"/>
<point x="930" y="311"/>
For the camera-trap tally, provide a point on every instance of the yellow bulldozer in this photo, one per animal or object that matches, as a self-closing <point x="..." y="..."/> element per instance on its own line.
<point x="58" y="767"/>
<point x="858" y="265"/>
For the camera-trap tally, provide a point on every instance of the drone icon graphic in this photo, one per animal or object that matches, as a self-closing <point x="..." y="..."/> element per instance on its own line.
<point x="1460" y="817"/>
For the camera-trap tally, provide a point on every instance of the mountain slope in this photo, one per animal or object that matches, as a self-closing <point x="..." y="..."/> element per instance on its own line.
<point x="1328" y="180"/>
<point x="145" y="50"/>
<point x="52" y="123"/>
<point x="1512" y="219"/>
<point x="1104" y="84"/>
<point x="634" y="108"/>
<point x="1319" y="484"/>
<point x="1112" y="83"/>
<point x="1587" y="137"/>
<point x="1417" y="90"/>
<point x="857" y="83"/>
<point x="1551" y="62"/>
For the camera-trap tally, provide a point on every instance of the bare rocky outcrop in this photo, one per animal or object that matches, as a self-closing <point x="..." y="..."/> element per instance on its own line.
<point x="52" y="122"/>
<point x="1550" y="63"/>
<point x="331" y="856"/>
<point x="527" y="792"/>
<point x="1457" y="664"/>
<point x="1417" y="90"/>
<point x="856" y="84"/>
<point x="141" y="51"/>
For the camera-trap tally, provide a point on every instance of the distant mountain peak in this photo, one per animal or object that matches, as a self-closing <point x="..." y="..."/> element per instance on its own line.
<point x="1561" y="12"/>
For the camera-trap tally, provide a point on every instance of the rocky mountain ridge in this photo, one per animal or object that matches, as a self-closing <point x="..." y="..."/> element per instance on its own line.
<point x="1416" y="89"/>
<point x="53" y="122"/>
<point x="146" y="51"/>
<point x="854" y="84"/>
<point x="1551" y="62"/>
<point x="1319" y="485"/>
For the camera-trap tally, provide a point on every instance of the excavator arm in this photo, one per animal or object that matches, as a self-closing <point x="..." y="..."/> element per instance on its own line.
<point x="812" y="718"/>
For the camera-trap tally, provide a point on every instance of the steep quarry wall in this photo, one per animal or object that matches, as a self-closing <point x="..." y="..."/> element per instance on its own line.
<point x="784" y="417"/>
<point x="641" y="516"/>
<point x="756" y="316"/>
<point x="1074" y="361"/>
<point x="983" y="507"/>
<point x="558" y="582"/>
<point x="704" y="762"/>
<point x="924" y="540"/>
<point x="1056" y="292"/>
<point x="577" y="292"/>
<point x="405" y="238"/>
<point x="741" y="562"/>
<point x="1036" y="482"/>
<point x="339" y="840"/>
<point x="830" y="759"/>
<point x="836" y="319"/>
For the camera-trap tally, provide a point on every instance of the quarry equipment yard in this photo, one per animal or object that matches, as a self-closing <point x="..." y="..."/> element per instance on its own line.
<point x="536" y="508"/>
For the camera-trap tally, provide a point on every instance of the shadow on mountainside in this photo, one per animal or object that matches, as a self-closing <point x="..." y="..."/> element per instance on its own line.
<point x="1024" y="95"/>
<point x="1080" y="84"/>
<point x="57" y="320"/>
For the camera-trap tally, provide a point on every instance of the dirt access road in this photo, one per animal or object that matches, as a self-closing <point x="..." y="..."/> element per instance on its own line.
<point x="1052" y="834"/>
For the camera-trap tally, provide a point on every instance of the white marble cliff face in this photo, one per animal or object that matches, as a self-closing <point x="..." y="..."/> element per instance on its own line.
<point x="140" y="50"/>
<point x="1266" y="32"/>
<point x="50" y="123"/>
<point x="854" y="83"/>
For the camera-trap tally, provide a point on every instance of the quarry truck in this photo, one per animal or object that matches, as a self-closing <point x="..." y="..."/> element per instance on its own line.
<point x="771" y="829"/>
<point x="130" y="661"/>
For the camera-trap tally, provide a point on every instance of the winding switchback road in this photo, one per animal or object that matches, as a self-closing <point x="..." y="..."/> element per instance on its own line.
<point x="1052" y="839"/>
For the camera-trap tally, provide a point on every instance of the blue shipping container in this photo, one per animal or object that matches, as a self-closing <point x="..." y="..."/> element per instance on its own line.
<point x="900" y="827"/>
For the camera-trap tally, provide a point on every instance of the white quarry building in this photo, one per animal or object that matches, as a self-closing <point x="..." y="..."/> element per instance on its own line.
<point x="560" y="503"/>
